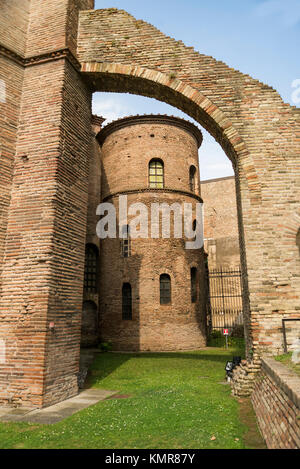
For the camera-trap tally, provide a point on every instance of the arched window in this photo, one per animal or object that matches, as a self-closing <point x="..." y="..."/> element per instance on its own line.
<point x="125" y="241"/>
<point x="194" y="284"/>
<point x="126" y="302"/>
<point x="193" y="178"/>
<point x="156" y="174"/>
<point x="165" y="289"/>
<point x="91" y="268"/>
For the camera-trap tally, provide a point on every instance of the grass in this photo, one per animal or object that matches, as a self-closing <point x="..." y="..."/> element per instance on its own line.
<point x="176" y="401"/>
<point x="220" y="342"/>
<point x="286" y="359"/>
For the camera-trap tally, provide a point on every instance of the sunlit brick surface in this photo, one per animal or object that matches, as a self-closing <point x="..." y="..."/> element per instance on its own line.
<point x="46" y="147"/>
<point x="127" y="150"/>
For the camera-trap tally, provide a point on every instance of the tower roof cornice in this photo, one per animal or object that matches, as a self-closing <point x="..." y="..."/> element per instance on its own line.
<point x="150" y="119"/>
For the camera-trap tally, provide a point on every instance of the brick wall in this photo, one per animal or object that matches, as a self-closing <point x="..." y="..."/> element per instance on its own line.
<point x="136" y="145"/>
<point x="13" y="28"/>
<point x="256" y="129"/>
<point x="180" y="325"/>
<point x="45" y="230"/>
<point x="11" y="74"/>
<point x="13" y="25"/>
<point x="126" y="153"/>
<point x="55" y="26"/>
<point x="42" y="277"/>
<point x="276" y="401"/>
<point x="220" y="222"/>
<point x="90" y="307"/>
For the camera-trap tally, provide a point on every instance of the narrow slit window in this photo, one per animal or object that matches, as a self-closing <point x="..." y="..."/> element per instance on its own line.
<point x="165" y="289"/>
<point x="126" y="302"/>
<point x="156" y="174"/>
<point x="194" y="284"/>
<point x="91" y="269"/>
<point x="193" y="178"/>
<point x="125" y="241"/>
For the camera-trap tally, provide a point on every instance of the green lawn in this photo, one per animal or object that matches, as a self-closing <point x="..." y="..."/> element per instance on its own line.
<point x="286" y="359"/>
<point x="176" y="400"/>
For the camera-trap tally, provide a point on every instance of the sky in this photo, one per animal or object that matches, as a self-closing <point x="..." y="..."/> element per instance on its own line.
<point x="258" y="37"/>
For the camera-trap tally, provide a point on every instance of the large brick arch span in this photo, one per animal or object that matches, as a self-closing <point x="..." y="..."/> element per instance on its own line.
<point x="256" y="129"/>
<point x="53" y="55"/>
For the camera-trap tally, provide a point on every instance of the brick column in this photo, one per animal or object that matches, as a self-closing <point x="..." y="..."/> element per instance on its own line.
<point x="41" y="300"/>
<point x="13" y="26"/>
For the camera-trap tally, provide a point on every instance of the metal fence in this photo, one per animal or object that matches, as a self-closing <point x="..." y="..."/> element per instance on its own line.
<point x="224" y="298"/>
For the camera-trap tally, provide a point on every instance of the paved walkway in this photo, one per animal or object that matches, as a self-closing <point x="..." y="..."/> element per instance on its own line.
<point x="56" y="412"/>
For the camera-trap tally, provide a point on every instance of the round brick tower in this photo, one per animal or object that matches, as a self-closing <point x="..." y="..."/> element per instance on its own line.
<point x="152" y="289"/>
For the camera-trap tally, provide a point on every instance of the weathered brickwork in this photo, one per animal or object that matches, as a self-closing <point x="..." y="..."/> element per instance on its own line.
<point x="90" y="309"/>
<point x="128" y="146"/>
<point x="276" y="401"/>
<point x="244" y="376"/>
<point x="46" y="148"/>
<point x="259" y="133"/>
<point x="14" y="24"/>
<point x="12" y="75"/>
<point x="42" y="278"/>
<point x="94" y="190"/>
<point x="54" y="27"/>
<point x="13" y="27"/>
<point x="220" y="223"/>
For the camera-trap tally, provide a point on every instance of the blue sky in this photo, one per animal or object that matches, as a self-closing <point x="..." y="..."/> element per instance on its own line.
<point x="257" y="37"/>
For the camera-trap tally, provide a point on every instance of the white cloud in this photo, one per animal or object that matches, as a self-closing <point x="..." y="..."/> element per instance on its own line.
<point x="288" y="10"/>
<point x="215" y="170"/>
<point x="213" y="161"/>
<point x="111" y="108"/>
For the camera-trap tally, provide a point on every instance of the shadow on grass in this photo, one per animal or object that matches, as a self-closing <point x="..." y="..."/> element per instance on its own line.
<point x="106" y="363"/>
<point x="252" y="438"/>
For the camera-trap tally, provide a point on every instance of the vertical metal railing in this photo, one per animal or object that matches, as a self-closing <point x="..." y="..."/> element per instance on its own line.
<point x="224" y="298"/>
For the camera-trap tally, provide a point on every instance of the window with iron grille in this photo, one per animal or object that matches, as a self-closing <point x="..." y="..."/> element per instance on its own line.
<point x="91" y="269"/>
<point x="194" y="284"/>
<point x="126" y="302"/>
<point x="192" y="178"/>
<point x="125" y="241"/>
<point x="156" y="174"/>
<point x="165" y="289"/>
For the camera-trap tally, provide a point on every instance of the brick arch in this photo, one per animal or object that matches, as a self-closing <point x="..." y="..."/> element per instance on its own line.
<point x="47" y="147"/>
<point x="154" y="84"/>
<point x="250" y="121"/>
<point x="255" y="128"/>
<point x="291" y="231"/>
<point x="140" y="80"/>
